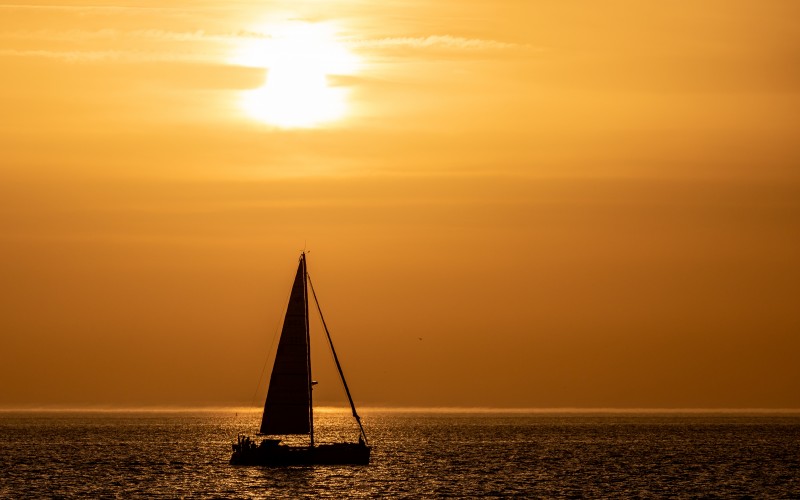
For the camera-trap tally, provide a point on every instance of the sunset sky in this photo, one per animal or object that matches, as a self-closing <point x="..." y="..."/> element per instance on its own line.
<point x="526" y="203"/>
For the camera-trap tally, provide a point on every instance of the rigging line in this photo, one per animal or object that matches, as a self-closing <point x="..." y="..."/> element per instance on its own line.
<point x="336" y="359"/>
<point x="269" y="351"/>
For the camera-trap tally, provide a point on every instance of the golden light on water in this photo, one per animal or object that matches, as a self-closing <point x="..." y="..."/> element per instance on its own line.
<point x="299" y="57"/>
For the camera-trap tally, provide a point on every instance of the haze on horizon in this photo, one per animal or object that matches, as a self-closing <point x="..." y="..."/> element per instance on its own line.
<point x="529" y="204"/>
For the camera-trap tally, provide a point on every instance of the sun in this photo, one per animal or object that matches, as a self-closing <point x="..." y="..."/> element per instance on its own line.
<point x="298" y="57"/>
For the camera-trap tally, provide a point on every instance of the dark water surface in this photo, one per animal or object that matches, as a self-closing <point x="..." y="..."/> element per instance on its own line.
<point x="185" y="454"/>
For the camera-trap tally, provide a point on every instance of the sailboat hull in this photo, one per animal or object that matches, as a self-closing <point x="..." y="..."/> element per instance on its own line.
<point x="272" y="453"/>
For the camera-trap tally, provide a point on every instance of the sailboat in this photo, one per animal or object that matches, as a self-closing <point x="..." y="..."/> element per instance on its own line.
<point x="288" y="409"/>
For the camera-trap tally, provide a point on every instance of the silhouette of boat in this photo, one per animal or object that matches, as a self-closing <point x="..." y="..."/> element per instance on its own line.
<point x="288" y="409"/>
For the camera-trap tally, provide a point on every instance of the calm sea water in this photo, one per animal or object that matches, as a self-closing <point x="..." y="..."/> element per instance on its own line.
<point x="181" y="454"/>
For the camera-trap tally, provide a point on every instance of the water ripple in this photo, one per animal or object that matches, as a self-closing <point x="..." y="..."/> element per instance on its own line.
<point x="169" y="455"/>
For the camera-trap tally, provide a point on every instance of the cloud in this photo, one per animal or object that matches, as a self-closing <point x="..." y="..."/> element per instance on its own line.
<point x="436" y="41"/>
<point x="88" y="56"/>
<point x="75" y="35"/>
<point x="430" y="41"/>
<point x="153" y="45"/>
<point x="190" y="53"/>
<point x="89" y="8"/>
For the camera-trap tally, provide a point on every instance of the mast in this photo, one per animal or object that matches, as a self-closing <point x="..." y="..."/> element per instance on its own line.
<point x="308" y="350"/>
<point x="338" y="366"/>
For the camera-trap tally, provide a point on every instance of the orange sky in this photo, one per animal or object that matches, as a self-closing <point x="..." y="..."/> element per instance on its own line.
<point x="572" y="204"/>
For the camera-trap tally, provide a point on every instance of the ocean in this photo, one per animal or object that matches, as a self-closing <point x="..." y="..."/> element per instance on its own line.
<point x="184" y="454"/>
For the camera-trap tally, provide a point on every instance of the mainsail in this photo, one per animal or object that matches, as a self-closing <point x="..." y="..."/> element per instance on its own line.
<point x="288" y="406"/>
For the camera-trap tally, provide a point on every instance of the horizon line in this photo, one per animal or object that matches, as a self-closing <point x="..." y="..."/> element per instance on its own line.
<point x="395" y="409"/>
